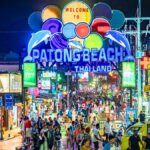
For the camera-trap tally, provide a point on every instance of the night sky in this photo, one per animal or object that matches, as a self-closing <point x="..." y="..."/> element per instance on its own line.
<point x="14" y="29"/>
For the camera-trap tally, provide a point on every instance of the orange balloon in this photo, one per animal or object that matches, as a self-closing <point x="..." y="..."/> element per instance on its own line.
<point x="51" y="11"/>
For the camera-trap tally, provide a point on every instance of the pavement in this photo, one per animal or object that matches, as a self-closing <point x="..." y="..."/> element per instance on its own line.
<point x="11" y="144"/>
<point x="9" y="134"/>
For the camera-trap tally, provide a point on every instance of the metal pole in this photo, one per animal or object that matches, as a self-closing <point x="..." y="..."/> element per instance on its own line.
<point x="1" y="124"/>
<point x="139" y="88"/>
<point x="23" y="93"/>
<point x="131" y="97"/>
<point x="68" y="90"/>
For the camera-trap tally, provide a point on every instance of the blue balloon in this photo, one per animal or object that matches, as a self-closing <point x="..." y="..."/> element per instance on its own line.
<point x="117" y="20"/>
<point x="35" y="21"/>
<point x="69" y="31"/>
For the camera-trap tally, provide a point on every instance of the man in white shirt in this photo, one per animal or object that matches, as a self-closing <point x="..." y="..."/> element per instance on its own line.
<point x="108" y="128"/>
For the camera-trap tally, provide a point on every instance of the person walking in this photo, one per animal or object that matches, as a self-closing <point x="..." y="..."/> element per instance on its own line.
<point x="80" y="137"/>
<point x="69" y="138"/>
<point x="142" y="117"/>
<point x="134" y="141"/>
<point x="147" y="142"/>
<point x="50" y="136"/>
<point x="57" y="139"/>
<point x="107" y="128"/>
<point x="28" y="130"/>
<point x="96" y="137"/>
<point x="35" y="134"/>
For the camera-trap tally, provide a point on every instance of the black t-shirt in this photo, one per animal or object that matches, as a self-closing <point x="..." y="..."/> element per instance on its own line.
<point x="142" y="117"/>
<point x="134" y="140"/>
<point x="57" y="136"/>
<point x="147" y="141"/>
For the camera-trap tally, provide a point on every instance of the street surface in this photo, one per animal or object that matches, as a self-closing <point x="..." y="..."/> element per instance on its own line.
<point x="11" y="144"/>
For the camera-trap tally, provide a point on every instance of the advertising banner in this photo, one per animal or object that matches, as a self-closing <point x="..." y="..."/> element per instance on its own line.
<point x="15" y="83"/>
<point x="148" y="74"/>
<point x="4" y="83"/>
<point x="131" y="113"/>
<point x="9" y="100"/>
<point x="29" y="75"/>
<point x="1" y="102"/>
<point x="45" y="83"/>
<point x="128" y="74"/>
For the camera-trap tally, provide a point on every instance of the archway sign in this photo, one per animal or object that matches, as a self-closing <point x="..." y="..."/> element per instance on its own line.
<point x="80" y="41"/>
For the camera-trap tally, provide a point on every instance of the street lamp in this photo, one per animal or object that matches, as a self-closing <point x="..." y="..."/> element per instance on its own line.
<point x="139" y="52"/>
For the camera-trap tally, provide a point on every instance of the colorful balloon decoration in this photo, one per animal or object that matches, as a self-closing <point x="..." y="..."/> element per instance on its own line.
<point x="35" y="21"/>
<point x="102" y="10"/>
<point x="58" y="41"/>
<point x="53" y="25"/>
<point x="94" y="40"/>
<point x="82" y="30"/>
<point x="69" y="30"/>
<point x="119" y="22"/>
<point x="101" y="26"/>
<point x="51" y="11"/>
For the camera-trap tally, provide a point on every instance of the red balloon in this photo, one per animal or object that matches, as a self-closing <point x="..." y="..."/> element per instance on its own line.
<point x="82" y="30"/>
<point x="101" y="26"/>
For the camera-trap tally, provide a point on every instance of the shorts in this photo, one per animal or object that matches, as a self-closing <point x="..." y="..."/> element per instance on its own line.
<point x="28" y="132"/>
<point x="50" y="145"/>
<point x="57" y="144"/>
<point x="96" y="145"/>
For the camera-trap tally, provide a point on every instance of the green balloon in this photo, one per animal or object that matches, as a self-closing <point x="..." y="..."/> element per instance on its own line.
<point x="94" y="40"/>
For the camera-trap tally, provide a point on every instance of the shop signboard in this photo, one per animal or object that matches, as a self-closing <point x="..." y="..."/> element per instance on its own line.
<point x="4" y="83"/>
<point x="52" y="46"/>
<point x="9" y="101"/>
<point x="45" y="84"/>
<point x="146" y="88"/>
<point x="29" y="75"/>
<point x="53" y="88"/>
<point x="128" y="75"/>
<point x="15" y="83"/>
<point x="48" y="74"/>
<point x="1" y="102"/>
<point x="131" y="113"/>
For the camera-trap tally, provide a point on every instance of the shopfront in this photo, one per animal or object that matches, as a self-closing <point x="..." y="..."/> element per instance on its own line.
<point x="10" y="85"/>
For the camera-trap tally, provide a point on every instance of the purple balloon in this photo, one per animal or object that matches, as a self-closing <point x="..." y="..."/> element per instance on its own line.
<point x="58" y="41"/>
<point x="53" y="25"/>
<point x="102" y="10"/>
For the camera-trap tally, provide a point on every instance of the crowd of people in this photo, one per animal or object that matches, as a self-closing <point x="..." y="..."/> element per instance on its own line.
<point x="46" y="134"/>
<point x="77" y="124"/>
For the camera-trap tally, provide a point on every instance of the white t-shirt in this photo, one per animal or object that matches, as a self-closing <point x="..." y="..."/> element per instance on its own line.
<point x="108" y="128"/>
<point x="95" y="132"/>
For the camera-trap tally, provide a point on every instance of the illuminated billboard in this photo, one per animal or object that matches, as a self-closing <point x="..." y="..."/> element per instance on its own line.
<point x="29" y="75"/>
<point x="128" y="74"/>
<point x="4" y="83"/>
<point x="86" y="44"/>
<point x="15" y="83"/>
<point x="83" y="77"/>
<point x="45" y="83"/>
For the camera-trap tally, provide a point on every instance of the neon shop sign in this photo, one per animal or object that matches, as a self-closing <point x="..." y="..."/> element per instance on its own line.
<point x="79" y="40"/>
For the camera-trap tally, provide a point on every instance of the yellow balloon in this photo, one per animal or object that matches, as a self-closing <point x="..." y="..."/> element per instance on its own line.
<point x="76" y="12"/>
<point x="51" y="11"/>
